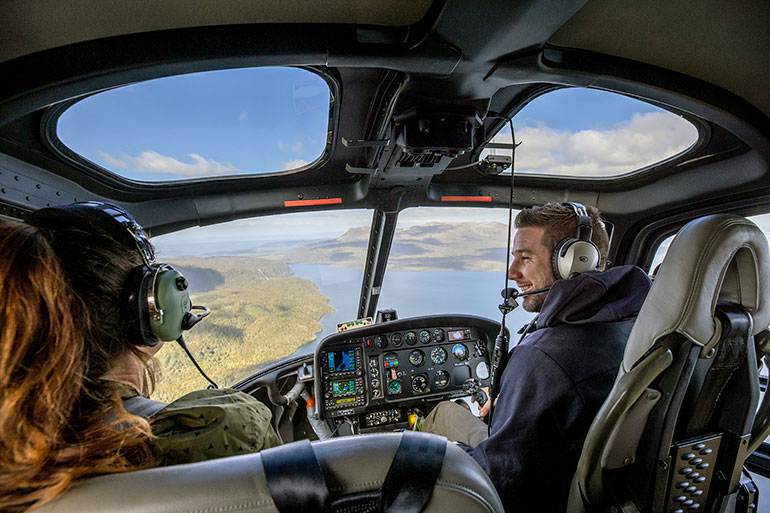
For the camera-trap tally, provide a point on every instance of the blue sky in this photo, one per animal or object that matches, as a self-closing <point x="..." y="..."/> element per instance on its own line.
<point x="235" y="121"/>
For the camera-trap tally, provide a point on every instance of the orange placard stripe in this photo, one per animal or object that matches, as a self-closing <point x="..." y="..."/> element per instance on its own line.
<point x="305" y="203"/>
<point x="466" y="198"/>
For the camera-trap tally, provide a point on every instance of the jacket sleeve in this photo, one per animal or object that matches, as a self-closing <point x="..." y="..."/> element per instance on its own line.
<point x="536" y="409"/>
<point x="209" y="424"/>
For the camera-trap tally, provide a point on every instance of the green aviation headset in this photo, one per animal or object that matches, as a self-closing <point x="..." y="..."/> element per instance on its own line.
<point x="576" y="254"/>
<point x="157" y="295"/>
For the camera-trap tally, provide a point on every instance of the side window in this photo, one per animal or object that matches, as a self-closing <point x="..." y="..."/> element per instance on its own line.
<point x="762" y="220"/>
<point x="659" y="255"/>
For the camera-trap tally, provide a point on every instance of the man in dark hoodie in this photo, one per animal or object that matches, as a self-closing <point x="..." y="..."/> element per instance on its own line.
<point x="560" y="372"/>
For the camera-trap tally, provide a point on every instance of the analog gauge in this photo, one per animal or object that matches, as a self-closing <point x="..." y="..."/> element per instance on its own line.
<point x="410" y="338"/>
<point x="394" y="387"/>
<point x="424" y="336"/>
<point x="390" y="361"/>
<point x="417" y="358"/>
<point x="381" y="342"/>
<point x="438" y="335"/>
<point x="460" y="351"/>
<point x="419" y="384"/>
<point x="438" y="355"/>
<point x="441" y="380"/>
<point x="396" y="339"/>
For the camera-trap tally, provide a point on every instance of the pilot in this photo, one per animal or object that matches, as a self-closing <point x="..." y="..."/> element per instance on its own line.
<point x="71" y="360"/>
<point x="564" y="365"/>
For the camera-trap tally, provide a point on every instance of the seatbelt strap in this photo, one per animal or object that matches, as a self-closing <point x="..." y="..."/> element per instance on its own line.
<point x="142" y="406"/>
<point x="295" y="479"/>
<point x="409" y="483"/>
<point x="730" y="355"/>
<point x="298" y="485"/>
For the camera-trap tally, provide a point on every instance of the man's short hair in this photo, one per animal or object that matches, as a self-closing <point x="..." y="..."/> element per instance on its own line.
<point x="560" y="222"/>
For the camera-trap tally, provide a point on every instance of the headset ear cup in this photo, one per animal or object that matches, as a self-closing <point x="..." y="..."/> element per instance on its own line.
<point x="172" y="302"/>
<point x="574" y="256"/>
<point x="556" y="259"/>
<point x="139" y="317"/>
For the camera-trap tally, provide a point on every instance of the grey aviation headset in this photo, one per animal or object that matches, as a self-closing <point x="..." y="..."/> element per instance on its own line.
<point x="157" y="296"/>
<point x="576" y="254"/>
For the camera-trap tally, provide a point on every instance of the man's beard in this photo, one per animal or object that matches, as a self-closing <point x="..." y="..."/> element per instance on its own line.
<point x="534" y="302"/>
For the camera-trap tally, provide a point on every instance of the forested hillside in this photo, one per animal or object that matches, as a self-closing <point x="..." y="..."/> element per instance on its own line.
<point x="430" y="246"/>
<point x="259" y="313"/>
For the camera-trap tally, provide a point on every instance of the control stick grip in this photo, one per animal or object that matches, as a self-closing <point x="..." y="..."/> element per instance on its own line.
<point x="472" y="386"/>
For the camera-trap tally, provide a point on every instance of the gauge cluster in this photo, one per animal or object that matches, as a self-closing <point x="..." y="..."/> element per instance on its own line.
<point x="373" y="373"/>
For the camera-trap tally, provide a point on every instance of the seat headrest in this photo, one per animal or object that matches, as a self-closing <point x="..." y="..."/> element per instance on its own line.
<point x="716" y="258"/>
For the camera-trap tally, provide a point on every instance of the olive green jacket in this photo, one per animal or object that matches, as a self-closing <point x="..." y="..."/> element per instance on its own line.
<point x="208" y="424"/>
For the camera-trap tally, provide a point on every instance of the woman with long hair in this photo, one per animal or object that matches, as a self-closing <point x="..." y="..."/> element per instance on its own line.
<point x="69" y="357"/>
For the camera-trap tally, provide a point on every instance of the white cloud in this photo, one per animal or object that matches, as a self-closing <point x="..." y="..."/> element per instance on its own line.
<point x="645" y="139"/>
<point x="152" y="162"/>
<point x="297" y="147"/>
<point x="294" y="164"/>
<point x="112" y="161"/>
<point x="243" y="116"/>
<point x="281" y="145"/>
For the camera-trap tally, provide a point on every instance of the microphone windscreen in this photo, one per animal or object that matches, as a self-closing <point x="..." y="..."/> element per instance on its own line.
<point x="509" y="292"/>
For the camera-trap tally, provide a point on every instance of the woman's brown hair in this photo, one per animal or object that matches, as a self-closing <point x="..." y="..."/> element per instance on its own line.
<point x="62" y="280"/>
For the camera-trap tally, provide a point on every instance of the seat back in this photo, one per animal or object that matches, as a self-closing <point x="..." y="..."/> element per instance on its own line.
<point x="350" y="465"/>
<point x="680" y="420"/>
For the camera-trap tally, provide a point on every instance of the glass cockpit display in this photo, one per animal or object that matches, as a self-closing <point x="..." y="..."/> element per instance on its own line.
<point x="344" y="388"/>
<point x="342" y="361"/>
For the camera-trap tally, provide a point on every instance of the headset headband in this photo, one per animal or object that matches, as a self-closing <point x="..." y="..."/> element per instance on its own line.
<point x="129" y="223"/>
<point x="585" y="224"/>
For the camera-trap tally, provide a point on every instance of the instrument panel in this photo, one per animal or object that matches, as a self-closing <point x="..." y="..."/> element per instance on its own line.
<point x="373" y="373"/>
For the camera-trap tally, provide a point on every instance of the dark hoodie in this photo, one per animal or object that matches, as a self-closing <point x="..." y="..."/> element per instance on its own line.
<point x="554" y="384"/>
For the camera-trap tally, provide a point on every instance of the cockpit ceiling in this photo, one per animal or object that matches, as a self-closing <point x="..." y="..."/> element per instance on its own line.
<point x="27" y="27"/>
<point x="715" y="41"/>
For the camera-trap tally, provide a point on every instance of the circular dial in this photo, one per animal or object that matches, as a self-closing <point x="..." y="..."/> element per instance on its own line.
<point x="419" y="384"/>
<point x="438" y="355"/>
<point x="424" y="336"/>
<point x="390" y="361"/>
<point x="438" y="335"/>
<point x="381" y="342"/>
<point x="410" y="338"/>
<point x="394" y="387"/>
<point x="441" y="380"/>
<point x="417" y="358"/>
<point x="396" y="339"/>
<point x="460" y="351"/>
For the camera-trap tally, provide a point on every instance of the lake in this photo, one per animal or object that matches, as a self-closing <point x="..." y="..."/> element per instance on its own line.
<point x="411" y="294"/>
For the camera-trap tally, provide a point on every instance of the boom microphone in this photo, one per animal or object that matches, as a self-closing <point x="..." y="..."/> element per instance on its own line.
<point x="511" y="292"/>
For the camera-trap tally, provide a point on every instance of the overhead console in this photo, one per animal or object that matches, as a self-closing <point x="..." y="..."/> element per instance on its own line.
<point x="374" y="375"/>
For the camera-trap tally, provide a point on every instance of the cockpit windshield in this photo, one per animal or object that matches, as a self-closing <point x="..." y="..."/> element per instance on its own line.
<point x="276" y="286"/>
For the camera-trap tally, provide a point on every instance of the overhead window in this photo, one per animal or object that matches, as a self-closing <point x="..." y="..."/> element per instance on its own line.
<point x="202" y="125"/>
<point x="588" y="133"/>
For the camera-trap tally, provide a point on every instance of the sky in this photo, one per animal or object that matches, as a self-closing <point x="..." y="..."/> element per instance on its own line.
<point x="264" y="120"/>
<point x="254" y="120"/>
